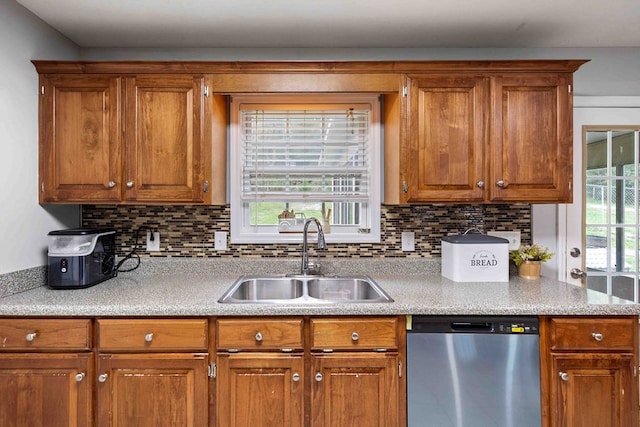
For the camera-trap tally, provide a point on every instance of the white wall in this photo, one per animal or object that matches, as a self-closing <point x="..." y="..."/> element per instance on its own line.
<point x="610" y="71"/>
<point x="23" y="223"/>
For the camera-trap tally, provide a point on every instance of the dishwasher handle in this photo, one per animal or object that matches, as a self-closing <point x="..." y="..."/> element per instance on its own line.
<point x="473" y="327"/>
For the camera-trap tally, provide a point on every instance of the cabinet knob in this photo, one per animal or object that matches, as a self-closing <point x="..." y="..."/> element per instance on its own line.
<point x="80" y="376"/>
<point x="149" y="337"/>
<point x="564" y="376"/>
<point x="355" y="336"/>
<point x="480" y="184"/>
<point x="31" y="336"/>
<point x="501" y="183"/>
<point x="295" y="377"/>
<point x="259" y="336"/>
<point x="318" y="377"/>
<point x="129" y="184"/>
<point x="596" y="336"/>
<point x="111" y="184"/>
<point x="103" y="377"/>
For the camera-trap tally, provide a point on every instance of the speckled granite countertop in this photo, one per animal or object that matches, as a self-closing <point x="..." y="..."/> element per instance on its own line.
<point x="193" y="287"/>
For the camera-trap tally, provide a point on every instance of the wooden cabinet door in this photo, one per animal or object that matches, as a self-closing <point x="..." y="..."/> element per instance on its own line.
<point x="532" y="143"/>
<point x="355" y="389"/>
<point x="164" y="131"/>
<point x="448" y="130"/>
<point x="149" y="390"/>
<point x="260" y="389"/>
<point x="80" y="139"/>
<point x="46" y="389"/>
<point x="593" y="390"/>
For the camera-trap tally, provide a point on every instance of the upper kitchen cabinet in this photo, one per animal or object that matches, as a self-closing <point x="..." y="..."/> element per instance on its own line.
<point x="80" y="139"/>
<point x="487" y="133"/>
<point x="531" y="149"/>
<point x="164" y="147"/>
<point x="128" y="139"/>
<point x="447" y="136"/>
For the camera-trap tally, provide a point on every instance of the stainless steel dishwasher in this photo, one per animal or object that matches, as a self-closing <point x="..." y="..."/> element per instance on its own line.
<point x="473" y="371"/>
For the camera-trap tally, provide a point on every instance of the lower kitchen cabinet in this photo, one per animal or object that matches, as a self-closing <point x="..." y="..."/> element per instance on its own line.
<point x="46" y="389"/>
<point x="260" y="389"/>
<point x="152" y="372"/>
<point x="355" y="389"/>
<point x="330" y="371"/>
<point x="46" y="372"/>
<point x="592" y="376"/>
<point x="152" y="390"/>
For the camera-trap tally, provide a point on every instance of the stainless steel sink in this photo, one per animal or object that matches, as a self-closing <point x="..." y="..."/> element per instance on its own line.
<point x="304" y="289"/>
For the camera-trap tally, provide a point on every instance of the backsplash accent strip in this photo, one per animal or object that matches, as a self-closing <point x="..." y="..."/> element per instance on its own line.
<point x="188" y="231"/>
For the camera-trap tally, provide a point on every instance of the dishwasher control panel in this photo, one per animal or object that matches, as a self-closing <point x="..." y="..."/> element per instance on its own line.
<point x="474" y="324"/>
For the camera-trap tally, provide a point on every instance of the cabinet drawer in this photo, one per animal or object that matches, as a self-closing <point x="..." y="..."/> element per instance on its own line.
<point x="45" y="334"/>
<point x="180" y="335"/>
<point x="350" y="334"/>
<point x="592" y="334"/>
<point x="256" y="334"/>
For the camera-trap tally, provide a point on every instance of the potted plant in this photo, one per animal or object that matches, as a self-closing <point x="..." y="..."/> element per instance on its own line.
<point x="528" y="259"/>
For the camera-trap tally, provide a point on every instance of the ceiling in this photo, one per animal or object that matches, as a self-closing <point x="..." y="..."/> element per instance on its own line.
<point x="343" y="23"/>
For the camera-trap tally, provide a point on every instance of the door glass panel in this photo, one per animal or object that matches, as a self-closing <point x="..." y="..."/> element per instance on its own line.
<point x="611" y="212"/>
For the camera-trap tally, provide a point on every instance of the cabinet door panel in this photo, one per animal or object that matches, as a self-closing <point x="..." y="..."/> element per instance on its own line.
<point x="80" y="139"/>
<point x="148" y="390"/>
<point x="532" y="150"/>
<point x="445" y="160"/>
<point x="355" y="389"/>
<point x="43" y="390"/>
<point x="164" y="138"/>
<point x="597" y="390"/>
<point x="260" y="389"/>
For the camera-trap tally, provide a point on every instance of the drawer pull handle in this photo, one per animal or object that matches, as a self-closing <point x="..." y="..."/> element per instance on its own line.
<point x="129" y="184"/>
<point x="596" y="336"/>
<point x="259" y="336"/>
<point x="32" y="336"/>
<point x="564" y="376"/>
<point x="318" y="377"/>
<point x="355" y="336"/>
<point x="80" y="376"/>
<point x="103" y="377"/>
<point x="296" y="377"/>
<point x="111" y="184"/>
<point x="149" y="337"/>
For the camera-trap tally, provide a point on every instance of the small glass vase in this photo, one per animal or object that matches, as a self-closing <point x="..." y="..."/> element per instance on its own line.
<point x="529" y="269"/>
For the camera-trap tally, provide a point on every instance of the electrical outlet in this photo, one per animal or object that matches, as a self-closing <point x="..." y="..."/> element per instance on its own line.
<point x="512" y="236"/>
<point x="408" y="241"/>
<point x="153" y="245"/>
<point x="220" y="241"/>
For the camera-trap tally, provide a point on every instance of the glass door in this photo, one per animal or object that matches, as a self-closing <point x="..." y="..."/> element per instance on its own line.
<point x="610" y="200"/>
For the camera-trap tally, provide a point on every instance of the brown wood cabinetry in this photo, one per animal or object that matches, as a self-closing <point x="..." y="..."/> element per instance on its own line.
<point x="46" y="372"/>
<point x="591" y="376"/>
<point x="133" y="139"/>
<point x="488" y="137"/>
<point x="152" y="372"/>
<point x="351" y="368"/>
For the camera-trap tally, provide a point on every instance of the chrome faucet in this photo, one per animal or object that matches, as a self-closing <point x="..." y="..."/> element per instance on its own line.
<point x="304" y="269"/>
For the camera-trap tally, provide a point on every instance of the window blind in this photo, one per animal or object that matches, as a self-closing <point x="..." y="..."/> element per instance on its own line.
<point x="305" y="154"/>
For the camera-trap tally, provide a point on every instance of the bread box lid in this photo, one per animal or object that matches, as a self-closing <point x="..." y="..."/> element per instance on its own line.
<point x="474" y="239"/>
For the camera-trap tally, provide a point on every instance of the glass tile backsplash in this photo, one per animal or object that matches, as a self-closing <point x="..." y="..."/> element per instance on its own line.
<point x="188" y="231"/>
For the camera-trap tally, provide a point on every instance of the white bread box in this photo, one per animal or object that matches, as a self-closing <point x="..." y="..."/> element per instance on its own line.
<point x="475" y="257"/>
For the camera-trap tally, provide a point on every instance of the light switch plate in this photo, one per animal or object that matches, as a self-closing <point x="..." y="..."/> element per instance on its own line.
<point x="408" y="241"/>
<point x="220" y="241"/>
<point x="512" y="236"/>
<point x="153" y="245"/>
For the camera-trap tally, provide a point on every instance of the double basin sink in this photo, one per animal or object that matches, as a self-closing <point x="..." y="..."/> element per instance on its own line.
<point x="305" y="290"/>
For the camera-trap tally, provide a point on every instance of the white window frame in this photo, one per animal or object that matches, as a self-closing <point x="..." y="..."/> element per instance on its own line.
<point x="270" y="234"/>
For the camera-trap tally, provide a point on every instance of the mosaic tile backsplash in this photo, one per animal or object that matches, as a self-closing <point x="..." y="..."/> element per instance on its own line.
<point x="188" y="231"/>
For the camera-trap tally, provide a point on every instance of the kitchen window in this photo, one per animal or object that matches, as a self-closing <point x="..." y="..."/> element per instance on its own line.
<point x="295" y="157"/>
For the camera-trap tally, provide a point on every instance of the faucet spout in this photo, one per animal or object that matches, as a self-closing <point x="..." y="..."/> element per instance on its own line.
<point x="321" y="243"/>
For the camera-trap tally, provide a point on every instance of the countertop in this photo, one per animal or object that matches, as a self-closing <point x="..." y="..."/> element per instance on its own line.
<point x="193" y="287"/>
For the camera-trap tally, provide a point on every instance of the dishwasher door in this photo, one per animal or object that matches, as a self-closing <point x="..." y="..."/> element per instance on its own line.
<point x="476" y="374"/>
